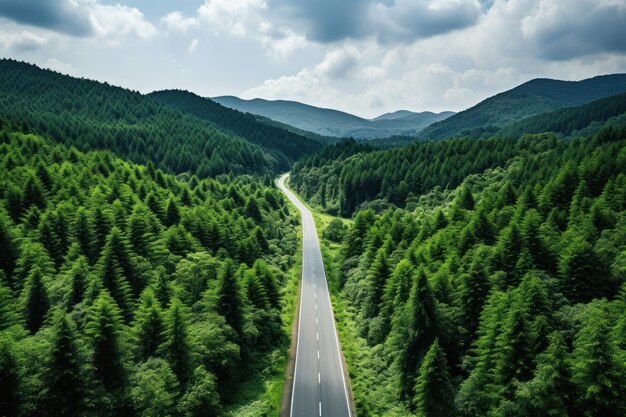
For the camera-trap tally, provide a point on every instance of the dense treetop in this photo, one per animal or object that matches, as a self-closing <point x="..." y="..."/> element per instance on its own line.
<point x="127" y="291"/>
<point x="248" y="126"/>
<point x="504" y="296"/>
<point x="92" y="115"/>
<point x="533" y="97"/>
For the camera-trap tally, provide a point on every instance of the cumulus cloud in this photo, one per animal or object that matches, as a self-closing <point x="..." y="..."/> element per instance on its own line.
<point x="67" y="16"/>
<point x="119" y="21"/>
<point x="234" y="16"/>
<point x="176" y="21"/>
<point x="338" y="63"/>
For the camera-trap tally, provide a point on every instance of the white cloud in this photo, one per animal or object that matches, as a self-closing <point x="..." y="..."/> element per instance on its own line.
<point x="338" y="63"/>
<point x="176" y="21"/>
<point x="233" y="16"/>
<point x="117" y="22"/>
<point x="193" y="45"/>
<point x="58" y="66"/>
<point x="22" y="40"/>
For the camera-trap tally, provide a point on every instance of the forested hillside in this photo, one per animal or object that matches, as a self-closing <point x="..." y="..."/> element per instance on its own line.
<point x="504" y="296"/>
<point x="397" y="176"/>
<point x="568" y="120"/>
<point x="245" y="125"/>
<point x="127" y="291"/>
<point x="92" y="115"/>
<point x="531" y="98"/>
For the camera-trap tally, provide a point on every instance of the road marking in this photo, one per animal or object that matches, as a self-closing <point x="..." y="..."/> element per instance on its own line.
<point x="317" y="335"/>
<point x="315" y="320"/>
<point x="315" y="307"/>
<point x="314" y="295"/>
<point x="318" y="355"/>
<point x="320" y="409"/>
<point x="319" y="378"/>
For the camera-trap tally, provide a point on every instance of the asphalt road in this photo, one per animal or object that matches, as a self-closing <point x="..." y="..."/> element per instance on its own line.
<point x="319" y="386"/>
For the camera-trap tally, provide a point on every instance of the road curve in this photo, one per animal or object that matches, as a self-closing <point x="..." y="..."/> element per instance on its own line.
<point x="319" y="386"/>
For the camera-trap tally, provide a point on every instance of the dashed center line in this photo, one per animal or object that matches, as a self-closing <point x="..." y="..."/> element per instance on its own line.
<point x="317" y="335"/>
<point x="318" y="355"/>
<point x="320" y="409"/>
<point x="319" y="378"/>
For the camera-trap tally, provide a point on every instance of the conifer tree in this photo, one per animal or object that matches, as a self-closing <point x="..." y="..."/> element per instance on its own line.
<point x="105" y="332"/>
<point x="434" y="393"/>
<point x="148" y="326"/>
<point x="375" y="283"/>
<point x="172" y="214"/>
<point x="229" y="301"/>
<point x="79" y="280"/>
<point x="36" y="301"/>
<point x="597" y="371"/>
<point x="65" y="394"/>
<point x="176" y="347"/>
<point x="8" y="248"/>
<point x="414" y="331"/>
<point x="112" y="272"/>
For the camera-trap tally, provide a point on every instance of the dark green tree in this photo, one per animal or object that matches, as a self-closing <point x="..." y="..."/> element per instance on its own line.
<point x="229" y="300"/>
<point x="176" y="346"/>
<point x="434" y="393"/>
<point x="36" y="301"/>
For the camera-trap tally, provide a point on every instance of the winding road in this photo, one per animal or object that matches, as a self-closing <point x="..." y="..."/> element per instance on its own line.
<point x="319" y="386"/>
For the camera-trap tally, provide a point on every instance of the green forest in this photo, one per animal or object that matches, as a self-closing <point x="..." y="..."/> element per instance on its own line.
<point x="150" y="266"/>
<point x="127" y="291"/>
<point x="498" y="294"/>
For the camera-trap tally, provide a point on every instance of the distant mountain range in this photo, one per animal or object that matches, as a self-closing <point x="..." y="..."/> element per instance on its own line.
<point x="329" y="122"/>
<point x="531" y="98"/>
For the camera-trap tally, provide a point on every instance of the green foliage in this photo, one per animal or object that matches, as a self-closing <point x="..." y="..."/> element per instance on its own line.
<point x="507" y="270"/>
<point x="434" y="393"/>
<point x="92" y="115"/>
<point x="109" y="292"/>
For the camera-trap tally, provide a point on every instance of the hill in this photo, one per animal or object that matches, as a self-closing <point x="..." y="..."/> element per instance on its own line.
<point x="244" y="125"/>
<point x="329" y="122"/>
<point x="94" y="115"/>
<point x="531" y="98"/>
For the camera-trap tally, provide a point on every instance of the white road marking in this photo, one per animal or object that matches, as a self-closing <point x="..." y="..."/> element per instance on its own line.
<point x="315" y="320"/>
<point x="317" y="335"/>
<point x="319" y="378"/>
<point x="320" y="409"/>
<point x="314" y="295"/>
<point x="318" y="355"/>
<point x="315" y="307"/>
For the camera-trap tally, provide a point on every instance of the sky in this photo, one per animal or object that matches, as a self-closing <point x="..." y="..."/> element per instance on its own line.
<point x="365" y="57"/>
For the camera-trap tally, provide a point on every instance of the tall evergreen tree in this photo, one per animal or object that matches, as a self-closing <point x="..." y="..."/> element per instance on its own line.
<point x="434" y="393"/>
<point x="36" y="301"/>
<point x="176" y="347"/>
<point x="65" y="385"/>
<point x="148" y="326"/>
<point x="105" y="332"/>
<point x="597" y="371"/>
<point x="229" y="300"/>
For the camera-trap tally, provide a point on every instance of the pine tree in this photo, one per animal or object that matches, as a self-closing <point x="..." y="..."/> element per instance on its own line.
<point x="267" y="279"/>
<point x="33" y="194"/>
<point x="176" y="346"/>
<point x="377" y="275"/>
<point x="597" y="371"/>
<point x="229" y="301"/>
<point x="414" y="332"/>
<point x="252" y="210"/>
<point x="434" y="394"/>
<point x="148" y="326"/>
<point x="582" y="272"/>
<point x="111" y="271"/>
<point x="105" y="332"/>
<point x="9" y="380"/>
<point x="255" y="292"/>
<point x="36" y="302"/>
<point x="79" y="280"/>
<point x="65" y="392"/>
<point x="172" y="214"/>
<point x="473" y="291"/>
